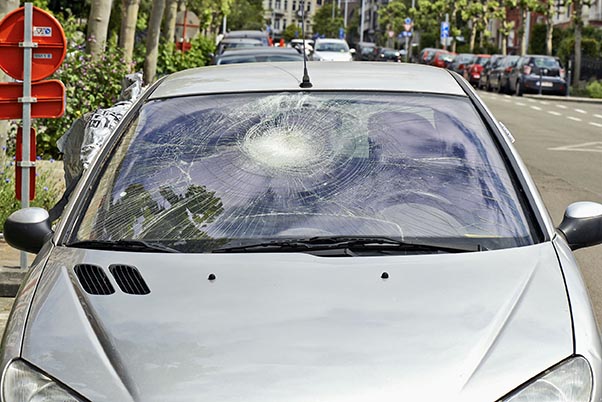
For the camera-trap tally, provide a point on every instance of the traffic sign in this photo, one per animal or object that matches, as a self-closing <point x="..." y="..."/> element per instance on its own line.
<point x="444" y="30"/>
<point x="19" y="161"/>
<point x="407" y="27"/>
<point x="50" y="44"/>
<point x="408" y="21"/>
<point x="49" y="100"/>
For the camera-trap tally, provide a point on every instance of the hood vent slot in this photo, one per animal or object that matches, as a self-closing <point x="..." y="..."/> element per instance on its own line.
<point x="93" y="279"/>
<point x="129" y="280"/>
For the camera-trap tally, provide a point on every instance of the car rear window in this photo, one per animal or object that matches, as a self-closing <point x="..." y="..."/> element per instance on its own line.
<point x="191" y="170"/>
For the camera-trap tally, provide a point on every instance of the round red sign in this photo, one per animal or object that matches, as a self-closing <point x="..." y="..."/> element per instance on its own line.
<point x="47" y="33"/>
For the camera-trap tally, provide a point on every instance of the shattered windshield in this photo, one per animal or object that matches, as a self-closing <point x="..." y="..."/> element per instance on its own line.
<point x="201" y="171"/>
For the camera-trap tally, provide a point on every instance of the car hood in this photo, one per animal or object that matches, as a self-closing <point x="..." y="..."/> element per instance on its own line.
<point x="333" y="56"/>
<point x="297" y="327"/>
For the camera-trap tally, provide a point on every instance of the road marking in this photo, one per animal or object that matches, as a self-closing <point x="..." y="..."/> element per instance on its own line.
<point x="530" y="100"/>
<point x="586" y="147"/>
<point x="507" y="100"/>
<point x="561" y="106"/>
<point x="535" y="107"/>
<point x="574" y="118"/>
<point x="595" y="124"/>
<point x="580" y="111"/>
<point x="554" y="113"/>
<point x="598" y="116"/>
<point x="519" y="104"/>
<point x="506" y="96"/>
<point x="544" y="102"/>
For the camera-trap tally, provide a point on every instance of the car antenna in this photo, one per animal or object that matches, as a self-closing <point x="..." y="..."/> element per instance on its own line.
<point x="305" y="83"/>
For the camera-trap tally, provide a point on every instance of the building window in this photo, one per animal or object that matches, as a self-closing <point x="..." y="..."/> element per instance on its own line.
<point x="294" y="5"/>
<point x="277" y="6"/>
<point x="286" y="4"/>
<point x="283" y="24"/>
<point x="319" y="2"/>
<point x="277" y="24"/>
<point x="270" y="4"/>
<point x="309" y="7"/>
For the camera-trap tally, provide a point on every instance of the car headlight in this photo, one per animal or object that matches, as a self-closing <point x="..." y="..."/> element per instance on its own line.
<point x="569" y="381"/>
<point x="22" y="383"/>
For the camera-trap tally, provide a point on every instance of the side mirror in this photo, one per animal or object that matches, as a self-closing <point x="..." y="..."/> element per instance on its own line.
<point x="582" y="224"/>
<point x="28" y="229"/>
<point x="352" y="51"/>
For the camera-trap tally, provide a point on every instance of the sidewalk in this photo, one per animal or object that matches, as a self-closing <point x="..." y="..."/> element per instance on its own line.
<point x="565" y="98"/>
<point x="11" y="274"/>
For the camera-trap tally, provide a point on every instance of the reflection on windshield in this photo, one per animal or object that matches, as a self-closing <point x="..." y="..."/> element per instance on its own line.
<point x="332" y="47"/>
<point x="297" y="165"/>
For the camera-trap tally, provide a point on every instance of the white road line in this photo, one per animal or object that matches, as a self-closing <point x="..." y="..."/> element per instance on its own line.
<point x="595" y="124"/>
<point x="544" y="102"/>
<point x="535" y="107"/>
<point x="506" y="96"/>
<point x="507" y="100"/>
<point x="554" y="113"/>
<point x="580" y="111"/>
<point x="520" y="104"/>
<point x="561" y="106"/>
<point x="530" y="100"/>
<point x="598" y="116"/>
<point x="574" y="118"/>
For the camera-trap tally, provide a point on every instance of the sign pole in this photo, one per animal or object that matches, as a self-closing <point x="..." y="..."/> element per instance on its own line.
<point x="25" y="164"/>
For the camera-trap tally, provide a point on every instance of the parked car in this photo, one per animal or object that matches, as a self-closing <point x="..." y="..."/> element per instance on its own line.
<point x="460" y="61"/>
<point x="328" y="49"/>
<point x="498" y="77"/>
<point x="260" y="54"/>
<point x="442" y="58"/>
<point x="473" y="71"/>
<point x="261" y="36"/>
<point x="535" y="73"/>
<point x="298" y="44"/>
<point x="426" y="55"/>
<point x="237" y="43"/>
<point x="366" y="51"/>
<point x="388" y="54"/>
<point x="489" y="66"/>
<point x="372" y="237"/>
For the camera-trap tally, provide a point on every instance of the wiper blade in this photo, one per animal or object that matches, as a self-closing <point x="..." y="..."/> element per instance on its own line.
<point x="124" y="245"/>
<point x="346" y="242"/>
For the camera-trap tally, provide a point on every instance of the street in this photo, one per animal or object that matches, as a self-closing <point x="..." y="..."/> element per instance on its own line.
<point x="561" y="144"/>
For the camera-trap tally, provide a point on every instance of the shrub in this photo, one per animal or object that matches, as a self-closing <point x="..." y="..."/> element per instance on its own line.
<point x="594" y="89"/>
<point x="171" y="60"/>
<point x="49" y="189"/>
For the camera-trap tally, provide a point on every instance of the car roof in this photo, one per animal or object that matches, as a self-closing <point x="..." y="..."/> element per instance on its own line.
<point x="240" y="40"/>
<point x="263" y="50"/>
<point x="337" y="76"/>
<point x="331" y="40"/>
<point x="244" y="34"/>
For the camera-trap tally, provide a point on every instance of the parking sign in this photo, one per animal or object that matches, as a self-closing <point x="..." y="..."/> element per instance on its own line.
<point x="444" y="30"/>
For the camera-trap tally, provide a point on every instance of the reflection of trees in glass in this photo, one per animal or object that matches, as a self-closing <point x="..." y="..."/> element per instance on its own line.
<point x="137" y="215"/>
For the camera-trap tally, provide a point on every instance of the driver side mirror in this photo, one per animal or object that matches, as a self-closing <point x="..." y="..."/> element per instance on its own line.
<point x="28" y="229"/>
<point x="352" y="51"/>
<point x="582" y="224"/>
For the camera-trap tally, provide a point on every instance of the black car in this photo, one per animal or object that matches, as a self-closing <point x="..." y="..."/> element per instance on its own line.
<point x="534" y="73"/>
<point x="489" y="66"/>
<point x="259" y="54"/>
<point x="461" y="61"/>
<point x="498" y="77"/>
<point x="388" y="54"/>
<point x="366" y="51"/>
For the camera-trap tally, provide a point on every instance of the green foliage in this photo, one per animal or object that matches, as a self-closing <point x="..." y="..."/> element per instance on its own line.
<point x="48" y="190"/>
<point x="292" y="31"/>
<point x="594" y="89"/>
<point x="246" y="15"/>
<point x="171" y="60"/>
<point x="324" y="24"/>
<point x="589" y="47"/>
<point x="537" y="43"/>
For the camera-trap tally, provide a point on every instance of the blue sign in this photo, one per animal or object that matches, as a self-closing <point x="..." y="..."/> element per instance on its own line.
<point x="341" y="33"/>
<point x="407" y="21"/>
<point x="444" y="30"/>
<point x="407" y="33"/>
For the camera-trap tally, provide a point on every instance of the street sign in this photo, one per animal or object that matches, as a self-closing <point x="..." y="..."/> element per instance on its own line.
<point x="19" y="162"/>
<point x="405" y="34"/>
<point x="408" y="21"/>
<point x="49" y="100"/>
<point x="444" y="30"/>
<point x="407" y="27"/>
<point x="187" y="26"/>
<point x="48" y="52"/>
<point x="341" y="33"/>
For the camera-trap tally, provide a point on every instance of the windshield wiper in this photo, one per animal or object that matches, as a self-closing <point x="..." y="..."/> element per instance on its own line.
<point x="124" y="245"/>
<point x="346" y="242"/>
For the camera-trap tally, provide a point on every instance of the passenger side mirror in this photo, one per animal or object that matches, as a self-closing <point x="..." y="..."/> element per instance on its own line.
<point x="28" y="229"/>
<point x="582" y="224"/>
<point x="352" y="51"/>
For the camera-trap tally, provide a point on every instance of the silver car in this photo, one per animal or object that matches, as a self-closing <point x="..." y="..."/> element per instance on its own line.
<point x="375" y="237"/>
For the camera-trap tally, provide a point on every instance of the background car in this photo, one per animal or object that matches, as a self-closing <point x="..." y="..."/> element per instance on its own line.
<point x="261" y="36"/>
<point x="237" y="43"/>
<point x="426" y="55"/>
<point x="473" y="71"/>
<point x="535" y="73"/>
<point x="489" y="65"/>
<point x="375" y="236"/>
<point x="388" y="54"/>
<point x="261" y="54"/>
<point x="442" y="58"/>
<point x="460" y="62"/>
<point x="366" y="51"/>
<point x="326" y="49"/>
<point x="498" y="77"/>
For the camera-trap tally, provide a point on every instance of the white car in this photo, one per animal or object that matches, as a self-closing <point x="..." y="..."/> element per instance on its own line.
<point x="332" y="50"/>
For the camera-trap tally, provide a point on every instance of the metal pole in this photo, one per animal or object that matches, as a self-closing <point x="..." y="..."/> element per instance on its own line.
<point x="568" y="80"/>
<point x="333" y="10"/>
<point x="26" y="164"/>
<point x="225" y="23"/>
<point x="362" y="22"/>
<point x="540" y="81"/>
<point x="345" y="19"/>
<point x="407" y="50"/>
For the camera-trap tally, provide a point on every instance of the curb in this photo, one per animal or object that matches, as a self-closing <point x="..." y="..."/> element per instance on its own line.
<point x="565" y="99"/>
<point x="10" y="281"/>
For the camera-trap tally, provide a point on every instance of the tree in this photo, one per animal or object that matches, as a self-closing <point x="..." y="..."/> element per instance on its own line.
<point x="128" y="28"/>
<point x="292" y="31"/>
<point x="246" y="15"/>
<point x="171" y="14"/>
<point x="325" y="24"/>
<point x="152" y="41"/>
<point x="577" y="18"/>
<point x="98" y="25"/>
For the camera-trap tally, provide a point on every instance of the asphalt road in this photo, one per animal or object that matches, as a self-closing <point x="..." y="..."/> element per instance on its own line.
<point x="561" y="144"/>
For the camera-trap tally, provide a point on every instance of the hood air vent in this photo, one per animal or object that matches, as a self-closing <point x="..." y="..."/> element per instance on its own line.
<point x="93" y="279"/>
<point x="129" y="279"/>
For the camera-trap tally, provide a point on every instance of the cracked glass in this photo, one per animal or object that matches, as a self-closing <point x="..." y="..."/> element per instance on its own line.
<point x="197" y="172"/>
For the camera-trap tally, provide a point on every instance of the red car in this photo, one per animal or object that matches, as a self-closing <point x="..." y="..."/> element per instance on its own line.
<point x="472" y="72"/>
<point x="442" y="58"/>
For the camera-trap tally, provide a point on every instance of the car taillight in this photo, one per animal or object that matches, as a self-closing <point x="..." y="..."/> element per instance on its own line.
<point x="527" y="70"/>
<point x="508" y="69"/>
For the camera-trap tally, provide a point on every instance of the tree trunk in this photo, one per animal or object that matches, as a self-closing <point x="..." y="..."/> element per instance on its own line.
<point x="98" y="26"/>
<point x="523" y="31"/>
<point x="171" y="12"/>
<point x="5" y="7"/>
<point x="127" y="35"/>
<point x="578" y="23"/>
<point x="549" y="27"/>
<point x="504" y="44"/>
<point x="152" y="41"/>
<point x="473" y="34"/>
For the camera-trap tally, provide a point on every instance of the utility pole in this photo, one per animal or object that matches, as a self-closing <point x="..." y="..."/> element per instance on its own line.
<point x="362" y="22"/>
